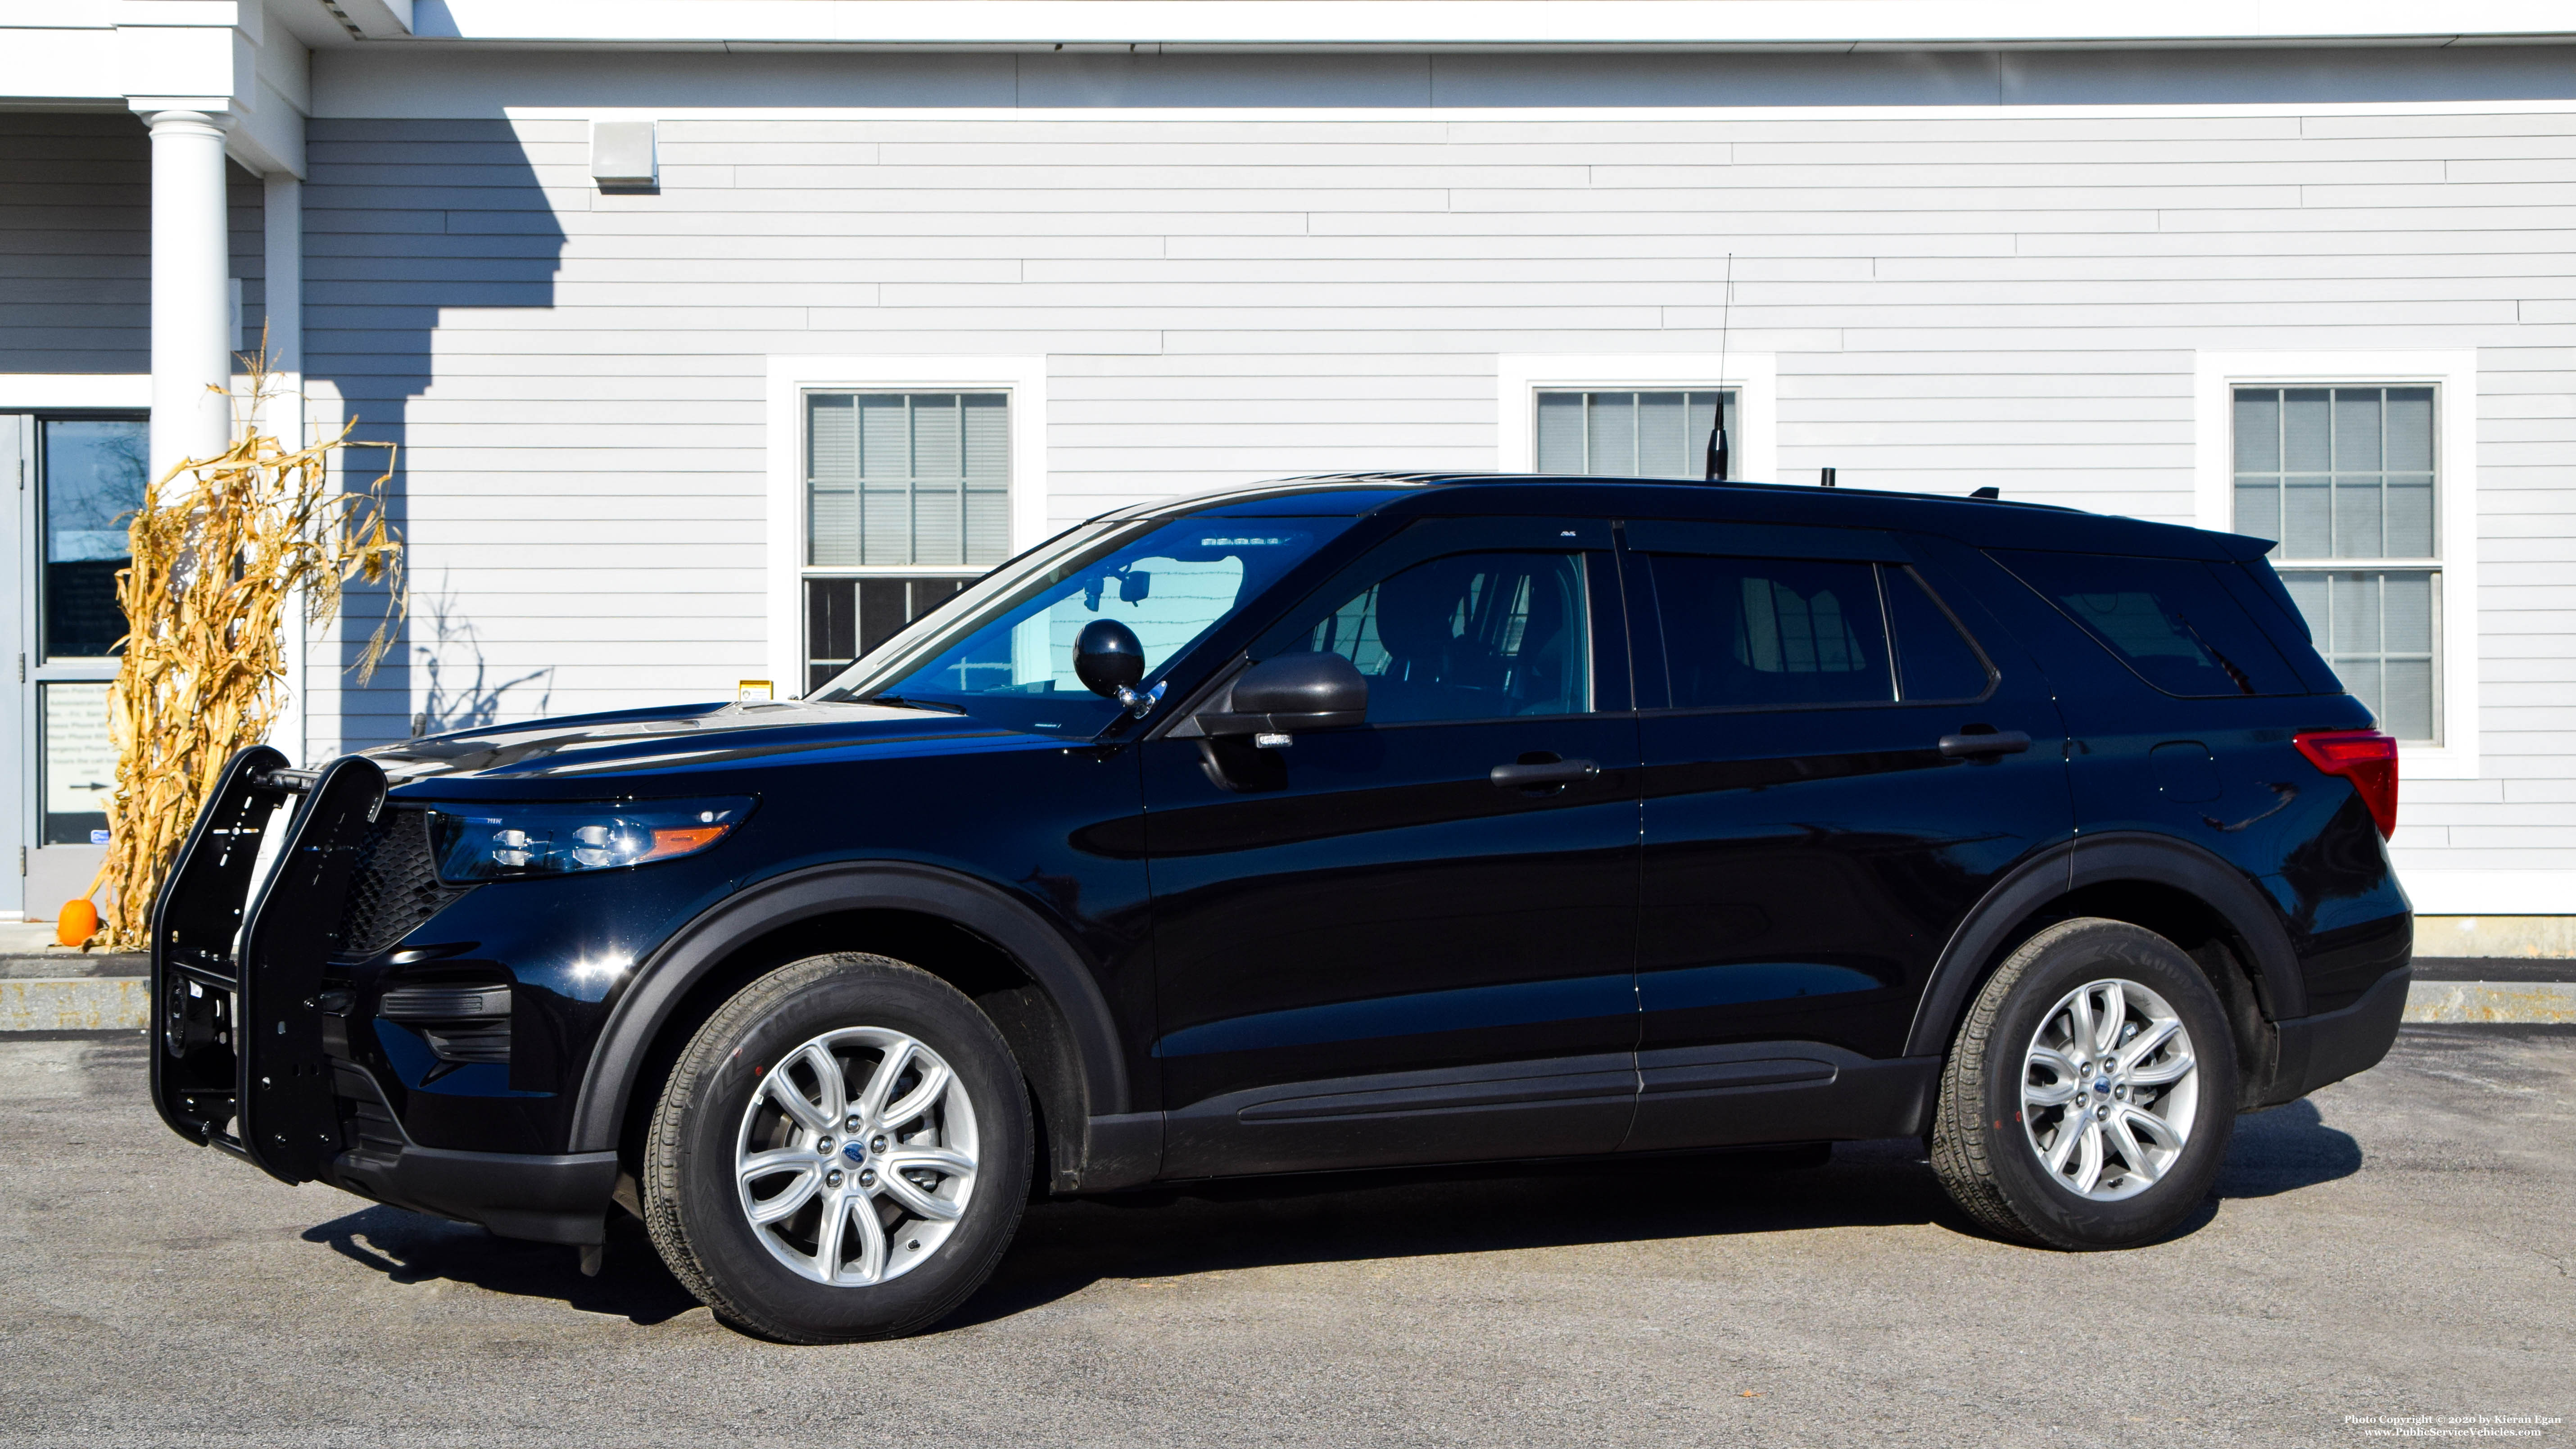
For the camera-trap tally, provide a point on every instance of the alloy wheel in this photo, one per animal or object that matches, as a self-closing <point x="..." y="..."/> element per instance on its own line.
<point x="856" y="1156"/>
<point x="2109" y="1087"/>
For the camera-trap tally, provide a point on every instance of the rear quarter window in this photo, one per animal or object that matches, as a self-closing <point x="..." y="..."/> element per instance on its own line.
<point x="2172" y="621"/>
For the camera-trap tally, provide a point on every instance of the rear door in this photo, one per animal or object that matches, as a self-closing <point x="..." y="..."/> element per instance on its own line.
<point x="1371" y="948"/>
<point x="1840" y="758"/>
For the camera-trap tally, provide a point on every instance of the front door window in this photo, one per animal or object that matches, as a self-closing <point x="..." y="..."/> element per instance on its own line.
<point x="94" y="476"/>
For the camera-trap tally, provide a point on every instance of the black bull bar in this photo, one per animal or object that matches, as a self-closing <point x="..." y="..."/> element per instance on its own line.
<point x="239" y="958"/>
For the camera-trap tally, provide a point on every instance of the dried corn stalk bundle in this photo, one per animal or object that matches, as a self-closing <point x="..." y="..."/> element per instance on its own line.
<point x="223" y="547"/>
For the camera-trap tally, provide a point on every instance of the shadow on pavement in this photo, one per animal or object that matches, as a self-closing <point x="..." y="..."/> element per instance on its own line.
<point x="409" y="1247"/>
<point x="2283" y="1150"/>
<point x="1064" y="1247"/>
<point x="1339" y="1217"/>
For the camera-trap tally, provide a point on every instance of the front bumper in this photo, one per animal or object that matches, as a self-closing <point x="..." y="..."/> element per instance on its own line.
<point x="558" y="1199"/>
<point x="252" y="992"/>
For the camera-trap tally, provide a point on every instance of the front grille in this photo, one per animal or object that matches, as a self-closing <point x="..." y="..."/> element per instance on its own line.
<point x="396" y="887"/>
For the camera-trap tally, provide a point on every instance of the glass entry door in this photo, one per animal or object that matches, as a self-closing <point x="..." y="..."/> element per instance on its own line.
<point x="83" y="475"/>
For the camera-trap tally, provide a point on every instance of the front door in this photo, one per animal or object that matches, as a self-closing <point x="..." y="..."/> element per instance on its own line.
<point x="81" y="478"/>
<point x="1371" y="947"/>
<point x="1838" y="765"/>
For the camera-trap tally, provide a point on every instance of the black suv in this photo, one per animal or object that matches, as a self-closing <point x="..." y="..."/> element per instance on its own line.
<point x="1334" y="823"/>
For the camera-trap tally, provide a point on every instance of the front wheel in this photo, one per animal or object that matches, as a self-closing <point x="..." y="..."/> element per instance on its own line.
<point x="2090" y="1093"/>
<point x="842" y="1152"/>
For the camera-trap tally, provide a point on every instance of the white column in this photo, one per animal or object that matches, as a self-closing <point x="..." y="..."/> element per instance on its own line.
<point x="191" y="293"/>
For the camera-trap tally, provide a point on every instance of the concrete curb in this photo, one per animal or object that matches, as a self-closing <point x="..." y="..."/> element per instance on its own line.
<point x="99" y="1003"/>
<point x="75" y="1003"/>
<point x="2491" y="1001"/>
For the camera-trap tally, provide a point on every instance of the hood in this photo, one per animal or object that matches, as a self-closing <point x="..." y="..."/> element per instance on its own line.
<point x="683" y="740"/>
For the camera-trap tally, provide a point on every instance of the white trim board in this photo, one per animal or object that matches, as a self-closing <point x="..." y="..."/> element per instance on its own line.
<point x="2454" y="372"/>
<point x="30" y="390"/>
<point x="1024" y="378"/>
<point x="1754" y="375"/>
<point x="2489" y="892"/>
<point x="1510" y="23"/>
<point x="407" y="106"/>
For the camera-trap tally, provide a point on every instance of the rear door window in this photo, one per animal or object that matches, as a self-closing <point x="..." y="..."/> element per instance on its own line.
<point x="1935" y="659"/>
<point x="1771" y="633"/>
<point x="2170" y="620"/>
<point x="1788" y="633"/>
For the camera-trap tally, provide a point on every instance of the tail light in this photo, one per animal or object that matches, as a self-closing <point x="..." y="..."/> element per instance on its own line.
<point x="2365" y="757"/>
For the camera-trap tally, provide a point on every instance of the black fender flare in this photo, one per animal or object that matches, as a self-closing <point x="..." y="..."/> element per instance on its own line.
<point x="2122" y="855"/>
<point x="674" y="969"/>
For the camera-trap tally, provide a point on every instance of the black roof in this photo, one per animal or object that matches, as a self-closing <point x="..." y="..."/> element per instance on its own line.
<point x="1984" y="522"/>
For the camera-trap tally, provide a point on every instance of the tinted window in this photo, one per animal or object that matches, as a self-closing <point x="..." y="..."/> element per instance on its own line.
<point x="2170" y="620"/>
<point x="1470" y="636"/>
<point x="1934" y="660"/>
<point x="1755" y="632"/>
<point x="1004" y="649"/>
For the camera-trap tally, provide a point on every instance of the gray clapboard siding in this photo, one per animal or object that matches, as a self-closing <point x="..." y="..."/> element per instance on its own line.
<point x="75" y="244"/>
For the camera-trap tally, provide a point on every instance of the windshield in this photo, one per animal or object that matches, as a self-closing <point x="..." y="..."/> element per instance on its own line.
<point x="1003" y="650"/>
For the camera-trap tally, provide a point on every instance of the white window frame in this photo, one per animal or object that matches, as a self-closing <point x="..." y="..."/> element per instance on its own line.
<point x="2453" y="372"/>
<point x="790" y="378"/>
<point x="1753" y="453"/>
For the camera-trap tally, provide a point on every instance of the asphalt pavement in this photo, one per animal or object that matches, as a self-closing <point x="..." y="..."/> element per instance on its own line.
<point x="2402" y="1245"/>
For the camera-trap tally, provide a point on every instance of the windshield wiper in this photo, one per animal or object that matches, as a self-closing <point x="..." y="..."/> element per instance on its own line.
<point x="899" y="702"/>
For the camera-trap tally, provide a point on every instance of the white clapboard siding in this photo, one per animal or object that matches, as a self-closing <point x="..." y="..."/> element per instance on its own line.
<point x="1950" y="301"/>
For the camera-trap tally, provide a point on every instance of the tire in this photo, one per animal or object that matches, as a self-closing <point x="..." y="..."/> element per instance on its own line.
<point x="2006" y="1136"/>
<point x="949" y="1125"/>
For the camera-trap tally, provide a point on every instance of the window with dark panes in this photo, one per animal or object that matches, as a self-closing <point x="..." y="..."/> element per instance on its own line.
<point x="1470" y="636"/>
<point x="1935" y="659"/>
<point x="2345" y="480"/>
<point x="93" y="472"/>
<point x="907" y="500"/>
<point x="1628" y="432"/>
<point x="2170" y="620"/>
<point x="1752" y="633"/>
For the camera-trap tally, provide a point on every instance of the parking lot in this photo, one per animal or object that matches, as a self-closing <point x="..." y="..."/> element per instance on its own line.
<point x="2400" y="1245"/>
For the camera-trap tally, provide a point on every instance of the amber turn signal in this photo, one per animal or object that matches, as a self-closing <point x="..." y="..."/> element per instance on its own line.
<point x="668" y="841"/>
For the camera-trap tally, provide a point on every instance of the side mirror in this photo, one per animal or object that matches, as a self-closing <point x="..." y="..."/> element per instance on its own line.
<point x="1278" y="697"/>
<point x="1110" y="661"/>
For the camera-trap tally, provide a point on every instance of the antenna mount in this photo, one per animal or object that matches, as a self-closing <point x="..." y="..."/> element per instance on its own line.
<point x="1717" y="459"/>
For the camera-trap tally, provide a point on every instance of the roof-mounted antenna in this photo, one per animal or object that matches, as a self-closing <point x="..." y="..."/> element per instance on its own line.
<point x="1717" y="428"/>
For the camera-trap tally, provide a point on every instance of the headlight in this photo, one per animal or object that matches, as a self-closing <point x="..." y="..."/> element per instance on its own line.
<point x="500" y="842"/>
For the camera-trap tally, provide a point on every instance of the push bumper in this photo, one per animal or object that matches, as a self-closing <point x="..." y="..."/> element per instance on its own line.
<point x="249" y="1004"/>
<point x="2333" y="1045"/>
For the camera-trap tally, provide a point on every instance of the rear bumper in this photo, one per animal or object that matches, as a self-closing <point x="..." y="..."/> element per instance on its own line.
<point x="2333" y="1045"/>
<point x="557" y="1199"/>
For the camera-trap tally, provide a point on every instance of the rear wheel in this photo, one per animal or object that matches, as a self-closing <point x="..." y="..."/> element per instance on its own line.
<point x="842" y="1152"/>
<point x="2091" y="1091"/>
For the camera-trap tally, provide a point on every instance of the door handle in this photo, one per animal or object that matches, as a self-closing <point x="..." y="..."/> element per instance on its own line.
<point x="1974" y="743"/>
<point x="1552" y="772"/>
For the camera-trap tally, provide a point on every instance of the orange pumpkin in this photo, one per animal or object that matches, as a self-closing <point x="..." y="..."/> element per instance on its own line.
<point x="77" y="923"/>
